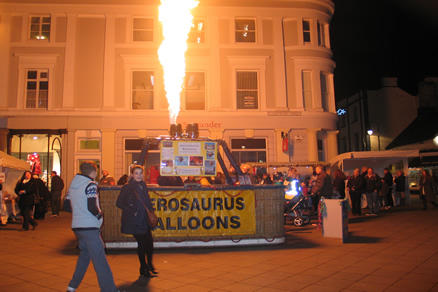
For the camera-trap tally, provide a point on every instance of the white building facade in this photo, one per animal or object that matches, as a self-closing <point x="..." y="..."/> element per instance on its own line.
<point x="83" y="81"/>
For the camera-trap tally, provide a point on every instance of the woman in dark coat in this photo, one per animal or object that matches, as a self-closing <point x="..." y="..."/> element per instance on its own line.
<point x="355" y="188"/>
<point x="339" y="183"/>
<point x="133" y="200"/>
<point x="427" y="190"/>
<point x="26" y="190"/>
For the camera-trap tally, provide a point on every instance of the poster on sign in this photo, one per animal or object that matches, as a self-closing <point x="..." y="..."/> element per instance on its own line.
<point x="179" y="157"/>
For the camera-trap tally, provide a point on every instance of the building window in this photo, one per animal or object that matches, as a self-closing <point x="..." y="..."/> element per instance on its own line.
<point x="356" y="142"/>
<point x="89" y="145"/>
<point x="341" y="121"/>
<point x="143" y="29"/>
<point x="306" y="31"/>
<point x="307" y="89"/>
<point x="194" y="91"/>
<point x="142" y="90"/>
<point x="245" y="31"/>
<point x="321" y="35"/>
<point x="247" y="89"/>
<point x="248" y="150"/>
<point x="197" y="34"/>
<point x="325" y="94"/>
<point x="39" y="27"/>
<point x="354" y="116"/>
<point x="37" y="88"/>
<point x="343" y="145"/>
<point x="321" y="156"/>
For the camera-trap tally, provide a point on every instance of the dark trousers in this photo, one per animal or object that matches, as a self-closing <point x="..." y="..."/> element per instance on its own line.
<point x="389" y="200"/>
<point x="145" y="248"/>
<point x="56" y="202"/>
<point x="25" y="212"/>
<point x="356" y="203"/>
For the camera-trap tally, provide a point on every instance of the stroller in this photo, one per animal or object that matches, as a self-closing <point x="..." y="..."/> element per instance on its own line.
<point x="294" y="205"/>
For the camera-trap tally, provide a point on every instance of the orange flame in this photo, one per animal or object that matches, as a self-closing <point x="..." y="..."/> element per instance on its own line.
<point x="176" y="18"/>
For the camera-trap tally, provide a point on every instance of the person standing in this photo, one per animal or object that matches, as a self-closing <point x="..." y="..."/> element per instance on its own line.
<point x="427" y="189"/>
<point x="373" y="184"/>
<point x="26" y="189"/>
<point x="56" y="190"/>
<point x="389" y="180"/>
<point x="107" y="179"/>
<point x="323" y="185"/>
<point x="133" y="200"/>
<point x="87" y="219"/>
<point x="355" y="188"/>
<point x="400" y="187"/>
<point x="339" y="183"/>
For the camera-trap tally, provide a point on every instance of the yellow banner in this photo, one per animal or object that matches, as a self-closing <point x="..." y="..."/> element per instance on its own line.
<point x="204" y="213"/>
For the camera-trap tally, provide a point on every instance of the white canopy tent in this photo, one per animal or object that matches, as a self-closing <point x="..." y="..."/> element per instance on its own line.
<point x="377" y="160"/>
<point x="13" y="168"/>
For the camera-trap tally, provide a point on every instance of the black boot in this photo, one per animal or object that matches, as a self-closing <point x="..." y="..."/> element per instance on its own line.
<point x="152" y="269"/>
<point x="144" y="271"/>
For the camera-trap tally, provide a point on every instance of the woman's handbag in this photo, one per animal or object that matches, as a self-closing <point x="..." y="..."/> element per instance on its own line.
<point x="152" y="218"/>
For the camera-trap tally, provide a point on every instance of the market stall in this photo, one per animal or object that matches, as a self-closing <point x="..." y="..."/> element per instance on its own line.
<point x="11" y="170"/>
<point x="378" y="160"/>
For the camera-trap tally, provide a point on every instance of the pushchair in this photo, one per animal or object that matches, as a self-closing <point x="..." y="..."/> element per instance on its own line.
<point x="294" y="204"/>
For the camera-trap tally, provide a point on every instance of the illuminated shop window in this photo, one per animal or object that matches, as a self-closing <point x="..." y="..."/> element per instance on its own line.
<point x="194" y="93"/>
<point x="306" y="31"/>
<point x="39" y="27"/>
<point x="307" y="89"/>
<point x="142" y="90"/>
<point x="37" y="88"/>
<point x="321" y="34"/>
<point x="143" y="29"/>
<point x="248" y="150"/>
<point x="197" y="32"/>
<point x="247" y="89"/>
<point x="245" y="31"/>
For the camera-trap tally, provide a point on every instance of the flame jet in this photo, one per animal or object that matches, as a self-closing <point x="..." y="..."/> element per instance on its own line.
<point x="176" y="19"/>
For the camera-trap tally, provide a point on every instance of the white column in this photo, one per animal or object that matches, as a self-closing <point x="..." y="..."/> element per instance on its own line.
<point x="69" y="64"/>
<point x="332" y="144"/>
<point x="279" y="64"/>
<point x="312" y="143"/>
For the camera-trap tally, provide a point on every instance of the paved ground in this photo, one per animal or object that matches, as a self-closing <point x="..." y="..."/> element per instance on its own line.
<point x="396" y="251"/>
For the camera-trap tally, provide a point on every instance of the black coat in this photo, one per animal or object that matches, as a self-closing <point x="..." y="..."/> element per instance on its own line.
<point x="134" y="215"/>
<point x="30" y="189"/>
<point x="356" y="184"/>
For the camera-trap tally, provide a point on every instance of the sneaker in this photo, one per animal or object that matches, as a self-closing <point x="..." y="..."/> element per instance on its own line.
<point x="70" y="289"/>
<point x="52" y="217"/>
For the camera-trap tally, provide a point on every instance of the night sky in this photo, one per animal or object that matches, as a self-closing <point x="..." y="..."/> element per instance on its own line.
<point x="375" y="38"/>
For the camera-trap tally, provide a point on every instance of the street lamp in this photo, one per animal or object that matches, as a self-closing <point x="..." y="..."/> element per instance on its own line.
<point x="371" y="131"/>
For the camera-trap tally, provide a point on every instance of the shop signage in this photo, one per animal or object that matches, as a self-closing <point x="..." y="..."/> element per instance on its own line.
<point x="285" y="113"/>
<point x="204" y="213"/>
<point x="183" y="158"/>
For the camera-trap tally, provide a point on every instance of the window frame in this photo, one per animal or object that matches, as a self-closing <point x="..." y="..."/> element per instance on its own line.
<point x="195" y="31"/>
<point x="241" y="150"/>
<point x="256" y="90"/>
<point x="186" y="90"/>
<point x="41" y="23"/>
<point x="307" y="32"/>
<point x="38" y="80"/>
<point x="321" y="34"/>
<point x="236" y="30"/>
<point x="146" y="90"/>
<point x="305" y="91"/>
<point x="134" y="30"/>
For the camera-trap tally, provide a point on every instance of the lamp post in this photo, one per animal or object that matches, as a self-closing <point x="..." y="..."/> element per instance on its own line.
<point x="371" y="132"/>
